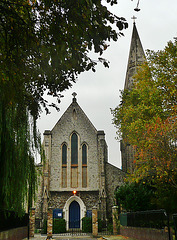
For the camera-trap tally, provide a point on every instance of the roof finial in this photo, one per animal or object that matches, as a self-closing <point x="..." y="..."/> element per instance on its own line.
<point x="134" y="18"/>
<point x="74" y="96"/>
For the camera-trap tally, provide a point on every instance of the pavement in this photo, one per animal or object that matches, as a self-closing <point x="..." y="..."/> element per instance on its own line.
<point x="63" y="237"/>
<point x="83" y="236"/>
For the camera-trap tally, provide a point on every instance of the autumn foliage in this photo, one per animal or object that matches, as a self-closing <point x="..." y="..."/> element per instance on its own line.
<point x="147" y="118"/>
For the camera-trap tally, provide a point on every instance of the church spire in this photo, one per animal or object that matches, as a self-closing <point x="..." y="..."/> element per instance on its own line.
<point x="136" y="57"/>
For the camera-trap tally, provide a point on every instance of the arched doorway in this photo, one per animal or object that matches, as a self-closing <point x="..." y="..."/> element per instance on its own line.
<point x="74" y="215"/>
<point x="66" y="209"/>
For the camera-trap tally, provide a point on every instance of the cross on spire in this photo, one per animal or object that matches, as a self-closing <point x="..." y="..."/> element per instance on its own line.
<point x="74" y="96"/>
<point x="134" y="18"/>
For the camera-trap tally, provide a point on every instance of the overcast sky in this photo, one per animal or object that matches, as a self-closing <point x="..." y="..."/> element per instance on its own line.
<point x="98" y="92"/>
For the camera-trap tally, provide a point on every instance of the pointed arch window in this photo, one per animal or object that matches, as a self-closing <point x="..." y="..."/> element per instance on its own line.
<point x="64" y="166"/>
<point x="74" y="149"/>
<point x="74" y="160"/>
<point x="84" y="165"/>
<point x="84" y="154"/>
<point x="64" y="154"/>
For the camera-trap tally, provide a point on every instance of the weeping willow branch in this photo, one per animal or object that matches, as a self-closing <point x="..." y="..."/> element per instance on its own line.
<point x="19" y="141"/>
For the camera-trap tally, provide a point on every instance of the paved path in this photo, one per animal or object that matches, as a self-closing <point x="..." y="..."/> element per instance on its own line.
<point x="63" y="237"/>
<point x="80" y="237"/>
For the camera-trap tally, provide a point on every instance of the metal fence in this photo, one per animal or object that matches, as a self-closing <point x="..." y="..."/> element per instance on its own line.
<point x="105" y="226"/>
<point x="157" y="219"/>
<point x="149" y="219"/>
<point x="10" y="219"/>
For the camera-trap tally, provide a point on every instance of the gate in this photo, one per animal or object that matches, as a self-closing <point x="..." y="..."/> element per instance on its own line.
<point x="105" y="226"/>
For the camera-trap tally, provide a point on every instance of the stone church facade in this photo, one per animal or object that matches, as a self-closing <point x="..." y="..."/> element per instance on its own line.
<point x="76" y="173"/>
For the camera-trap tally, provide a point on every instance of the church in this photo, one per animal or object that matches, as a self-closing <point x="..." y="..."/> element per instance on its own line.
<point x="76" y="175"/>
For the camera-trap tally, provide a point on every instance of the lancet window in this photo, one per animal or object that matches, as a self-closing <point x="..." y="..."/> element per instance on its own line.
<point x="64" y="165"/>
<point x="74" y="160"/>
<point x="84" y="165"/>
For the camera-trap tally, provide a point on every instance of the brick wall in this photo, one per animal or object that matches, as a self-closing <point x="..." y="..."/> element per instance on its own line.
<point x="144" y="233"/>
<point x="14" y="234"/>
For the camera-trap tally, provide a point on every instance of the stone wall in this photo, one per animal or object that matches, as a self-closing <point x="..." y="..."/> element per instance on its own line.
<point x="94" y="222"/>
<point x="127" y="154"/>
<point x="114" y="178"/>
<point x="58" y="199"/>
<point x="32" y="222"/>
<point x="102" y="177"/>
<point x="74" y="120"/>
<point x="144" y="233"/>
<point x="14" y="234"/>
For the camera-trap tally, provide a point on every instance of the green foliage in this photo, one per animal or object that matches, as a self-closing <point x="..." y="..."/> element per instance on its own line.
<point x="165" y="197"/>
<point x="146" y="119"/>
<point x="37" y="231"/>
<point x="44" y="228"/>
<point x="87" y="224"/>
<point x="110" y="227"/>
<point x="44" y="45"/>
<point x="101" y="224"/>
<point x="18" y="176"/>
<point x="59" y="225"/>
<point x="135" y="196"/>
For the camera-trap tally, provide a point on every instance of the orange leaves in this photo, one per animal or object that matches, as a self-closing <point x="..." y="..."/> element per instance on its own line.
<point x="147" y="115"/>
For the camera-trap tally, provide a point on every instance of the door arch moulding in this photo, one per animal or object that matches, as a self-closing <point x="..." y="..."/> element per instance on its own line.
<point x="66" y="209"/>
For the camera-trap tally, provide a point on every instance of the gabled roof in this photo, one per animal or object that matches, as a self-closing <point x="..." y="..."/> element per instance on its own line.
<point x="136" y="58"/>
<point x="80" y="114"/>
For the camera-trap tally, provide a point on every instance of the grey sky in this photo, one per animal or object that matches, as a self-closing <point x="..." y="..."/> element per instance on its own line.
<point x="98" y="92"/>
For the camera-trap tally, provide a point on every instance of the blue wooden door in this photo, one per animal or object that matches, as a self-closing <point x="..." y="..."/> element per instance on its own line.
<point x="74" y="215"/>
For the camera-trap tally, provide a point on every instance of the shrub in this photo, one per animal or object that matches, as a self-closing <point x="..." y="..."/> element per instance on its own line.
<point x="110" y="227"/>
<point x="44" y="227"/>
<point x="101" y="225"/>
<point x="59" y="225"/>
<point x="87" y="224"/>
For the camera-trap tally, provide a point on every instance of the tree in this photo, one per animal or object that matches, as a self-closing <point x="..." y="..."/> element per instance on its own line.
<point x="135" y="196"/>
<point x="147" y="118"/>
<point x="44" y="46"/>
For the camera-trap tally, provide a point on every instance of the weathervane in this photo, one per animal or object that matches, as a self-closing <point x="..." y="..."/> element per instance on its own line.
<point x="137" y="9"/>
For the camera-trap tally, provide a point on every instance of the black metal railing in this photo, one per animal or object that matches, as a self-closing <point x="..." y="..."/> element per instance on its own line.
<point x="157" y="219"/>
<point x="10" y="219"/>
<point x="104" y="225"/>
<point x="148" y="219"/>
<point x="75" y="228"/>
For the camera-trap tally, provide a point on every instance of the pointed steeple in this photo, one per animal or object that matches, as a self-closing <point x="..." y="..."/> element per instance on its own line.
<point x="136" y="57"/>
